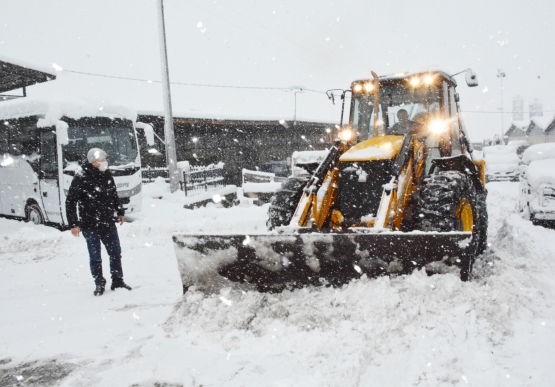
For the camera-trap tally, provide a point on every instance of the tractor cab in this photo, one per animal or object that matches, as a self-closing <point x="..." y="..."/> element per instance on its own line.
<point x="424" y="104"/>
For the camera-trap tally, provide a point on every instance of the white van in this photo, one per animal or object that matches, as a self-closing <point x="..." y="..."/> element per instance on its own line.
<point x="42" y="146"/>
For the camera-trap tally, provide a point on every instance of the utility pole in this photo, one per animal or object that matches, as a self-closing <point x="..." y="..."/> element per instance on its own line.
<point x="171" y="158"/>
<point x="296" y="89"/>
<point x="501" y="75"/>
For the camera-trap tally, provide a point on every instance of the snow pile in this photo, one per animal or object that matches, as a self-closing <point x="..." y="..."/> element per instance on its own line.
<point x="397" y="331"/>
<point x="498" y="329"/>
<point x="160" y="189"/>
<point x="541" y="172"/>
<point x="539" y="152"/>
<point x="261" y="187"/>
<point x="501" y="159"/>
<point x="306" y="157"/>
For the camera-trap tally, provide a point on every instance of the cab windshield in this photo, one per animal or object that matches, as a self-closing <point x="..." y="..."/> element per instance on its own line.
<point x="117" y="141"/>
<point x="402" y="107"/>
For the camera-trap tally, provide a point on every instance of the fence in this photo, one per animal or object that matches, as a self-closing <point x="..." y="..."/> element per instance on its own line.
<point x="196" y="180"/>
<point x="260" y="177"/>
<point x="150" y="174"/>
<point x="202" y="179"/>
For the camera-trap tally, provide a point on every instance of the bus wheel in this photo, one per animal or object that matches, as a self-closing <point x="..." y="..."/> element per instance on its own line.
<point x="34" y="214"/>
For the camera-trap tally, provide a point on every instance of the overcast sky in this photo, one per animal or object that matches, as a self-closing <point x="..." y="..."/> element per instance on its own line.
<point x="315" y="44"/>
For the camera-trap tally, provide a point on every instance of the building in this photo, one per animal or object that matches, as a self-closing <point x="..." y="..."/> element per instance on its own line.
<point x="540" y="130"/>
<point x="517" y="131"/>
<point x="19" y="75"/>
<point x="518" y="109"/>
<point x="238" y="143"/>
<point x="536" y="109"/>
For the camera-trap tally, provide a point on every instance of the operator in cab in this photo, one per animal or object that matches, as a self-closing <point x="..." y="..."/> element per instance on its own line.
<point x="404" y="126"/>
<point x="93" y="191"/>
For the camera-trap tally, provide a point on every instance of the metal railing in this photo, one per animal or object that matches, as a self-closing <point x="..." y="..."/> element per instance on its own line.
<point x="195" y="181"/>
<point x="250" y="176"/>
<point x="150" y="174"/>
<point x="202" y="179"/>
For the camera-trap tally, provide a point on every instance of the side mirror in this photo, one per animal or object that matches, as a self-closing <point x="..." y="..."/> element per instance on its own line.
<point x="471" y="79"/>
<point x="149" y="132"/>
<point x="457" y="98"/>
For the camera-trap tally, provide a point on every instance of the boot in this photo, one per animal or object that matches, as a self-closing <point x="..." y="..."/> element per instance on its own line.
<point x="99" y="290"/>
<point x="118" y="283"/>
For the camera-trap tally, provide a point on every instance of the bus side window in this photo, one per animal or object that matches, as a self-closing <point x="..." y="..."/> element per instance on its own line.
<point x="48" y="156"/>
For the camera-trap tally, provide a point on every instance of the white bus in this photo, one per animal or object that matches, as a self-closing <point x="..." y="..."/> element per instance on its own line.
<point x="42" y="146"/>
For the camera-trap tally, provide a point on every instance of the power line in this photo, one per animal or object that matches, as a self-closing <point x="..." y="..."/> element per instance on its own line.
<point x="194" y="84"/>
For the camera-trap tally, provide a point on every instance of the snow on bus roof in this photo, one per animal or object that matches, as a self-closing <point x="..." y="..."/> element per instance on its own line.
<point x="53" y="110"/>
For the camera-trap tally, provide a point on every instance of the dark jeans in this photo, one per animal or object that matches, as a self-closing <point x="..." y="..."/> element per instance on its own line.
<point x="110" y="239"/>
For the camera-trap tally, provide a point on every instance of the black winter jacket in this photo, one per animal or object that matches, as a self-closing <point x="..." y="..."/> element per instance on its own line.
<point x="95" y="194"/>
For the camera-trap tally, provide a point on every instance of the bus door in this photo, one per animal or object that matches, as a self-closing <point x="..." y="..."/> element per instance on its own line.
<point x="49" y="177"/>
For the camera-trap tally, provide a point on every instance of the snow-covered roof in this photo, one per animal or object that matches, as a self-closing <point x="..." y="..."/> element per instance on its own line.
<point x="539" y="152"/>
<point x="521" y="124"/>
<point x="54" y="109"/>
<point x="27" y="65"/>
<point x="16" y="74"/>
<point x="543" y="122"/>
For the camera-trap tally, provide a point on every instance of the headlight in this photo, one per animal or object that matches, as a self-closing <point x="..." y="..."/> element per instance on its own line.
<point x="439" y="126"/>
<point x="428" y="79"/>
<point x="357" y="88"/>
<point x="346" y="135"/>
<point x="368" y="86"/>
<point x="414" y="81"/>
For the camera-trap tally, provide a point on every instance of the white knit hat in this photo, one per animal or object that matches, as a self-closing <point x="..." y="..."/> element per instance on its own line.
<point x="95" y="154"/>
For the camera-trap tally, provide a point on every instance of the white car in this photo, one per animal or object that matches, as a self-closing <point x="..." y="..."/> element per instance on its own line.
<point x="501" y="163"/>
<point x="537" y="183"/>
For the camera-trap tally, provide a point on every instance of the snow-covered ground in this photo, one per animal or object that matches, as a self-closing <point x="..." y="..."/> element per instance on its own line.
<point x="497" y="330"/>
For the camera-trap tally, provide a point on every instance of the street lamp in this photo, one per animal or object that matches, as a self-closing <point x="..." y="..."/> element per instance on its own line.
<point x="501" y="75"/>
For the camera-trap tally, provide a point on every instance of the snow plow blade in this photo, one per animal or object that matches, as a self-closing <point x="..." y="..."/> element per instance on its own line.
<point x="273" y="262"/>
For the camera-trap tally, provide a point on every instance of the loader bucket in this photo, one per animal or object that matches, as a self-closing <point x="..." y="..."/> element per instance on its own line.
<point x="273" y="262"/>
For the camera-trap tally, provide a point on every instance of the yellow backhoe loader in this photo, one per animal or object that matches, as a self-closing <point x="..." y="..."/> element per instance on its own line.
<point x="399" y="190"/>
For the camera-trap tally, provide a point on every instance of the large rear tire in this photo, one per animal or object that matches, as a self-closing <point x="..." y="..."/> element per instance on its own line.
<point x="449" y="201"/>
<point x="284" y="203"/>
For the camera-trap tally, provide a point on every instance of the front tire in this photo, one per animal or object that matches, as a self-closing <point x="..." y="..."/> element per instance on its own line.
<point x="34" y="214"/>
<point x="449" y="201"/>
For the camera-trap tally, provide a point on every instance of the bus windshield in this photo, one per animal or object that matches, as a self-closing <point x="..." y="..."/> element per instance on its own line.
<point x="402" y="108"/>
<point x="118" y="143"/>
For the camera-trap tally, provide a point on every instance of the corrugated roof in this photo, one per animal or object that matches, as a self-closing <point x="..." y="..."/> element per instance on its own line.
<point x="16" y="74"/>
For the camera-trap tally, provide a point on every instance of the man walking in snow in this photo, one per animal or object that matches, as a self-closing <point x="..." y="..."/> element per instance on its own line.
<point x="93" y="190"/>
